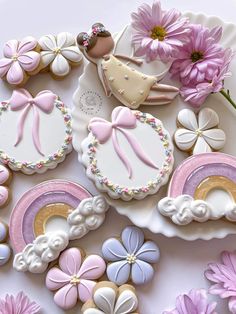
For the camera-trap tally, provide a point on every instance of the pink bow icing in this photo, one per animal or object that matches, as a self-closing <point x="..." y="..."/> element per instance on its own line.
<point x="122" y="119"/>
<point x="22" y="100"/>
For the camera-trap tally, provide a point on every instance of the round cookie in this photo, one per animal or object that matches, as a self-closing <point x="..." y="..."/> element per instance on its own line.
<point x="29" y="143"/>
<point x="59" y="53"/>
<point x="21" y="60"/>
<point x="199" y="133"/>
<point x="3" y="232"/>
<point x="5" y="254"/>
<point x="191" y="183"/>
<point x="131" y="141"/>
<point x="74" y="278"/>
<point x="111" y="299"/>
<point x="38" y="205"/>
<point x="131" y="254"/>
<point x="5" y="180"/>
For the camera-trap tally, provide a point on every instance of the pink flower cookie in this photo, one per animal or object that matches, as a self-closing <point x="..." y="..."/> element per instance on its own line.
<point x="20" y="60"/>
<point x="74" y="279"/>
<point x="5" y="179"/>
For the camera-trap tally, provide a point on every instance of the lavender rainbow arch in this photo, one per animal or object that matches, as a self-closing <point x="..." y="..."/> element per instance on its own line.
<point x="195" y="169"/>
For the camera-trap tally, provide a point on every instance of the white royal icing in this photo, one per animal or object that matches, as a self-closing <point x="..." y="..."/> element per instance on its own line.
<point x="37" y="255"/>
<point x="184" y="209"/>
<point x="199" y="134"/>
<point x="59" y="52"/>
<point x="89" y="215"/>
<point x="107" y="303"/>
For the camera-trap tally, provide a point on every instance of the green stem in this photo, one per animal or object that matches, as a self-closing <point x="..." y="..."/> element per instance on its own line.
<point x="227" y="96"/>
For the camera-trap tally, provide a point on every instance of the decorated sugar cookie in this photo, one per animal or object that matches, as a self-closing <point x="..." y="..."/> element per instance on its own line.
<point x="131" y="87"/>
<point x="191" y="183"/>
<point x="21" y="59"/>
<point x="131" y="141"/>
<point x="130" y="258"/>
<point x="5" y="179"/>
<point x="29" y="143"/>
<point x="199" y="133"/>
<point x="59" y="53"/>
<point x="5" y="251"/>
<point x="109" y="299"/>
<point x="75" y="277"/>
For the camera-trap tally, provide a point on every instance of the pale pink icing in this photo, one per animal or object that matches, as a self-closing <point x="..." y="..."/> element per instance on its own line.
<point x="22" y="100"/>
<point x="4" y="174"/>
<point x="3" y="195"/>
<point x="122" y="119"/>
<point x="19" y="56"/>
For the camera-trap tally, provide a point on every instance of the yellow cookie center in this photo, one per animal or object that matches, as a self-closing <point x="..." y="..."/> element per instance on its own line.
<point x="75" y="280"/>
<point x="158" y="32"/>
<point x="131" y="258"/>
<point x="196" y="56"/>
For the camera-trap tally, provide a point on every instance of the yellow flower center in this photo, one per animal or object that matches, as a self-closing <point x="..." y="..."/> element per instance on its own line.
<point x="198" y="132"/>
<point x="131" y="258"/>
<point x="158" y="32"/>
<point x="57" y="50"/>
<point x="196" y="56"/>
<point x="15" y="57"/>
<point x="75" y="280"/>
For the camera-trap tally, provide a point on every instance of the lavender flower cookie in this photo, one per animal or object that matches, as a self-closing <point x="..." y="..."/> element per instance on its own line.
<point x="130" y="257"/>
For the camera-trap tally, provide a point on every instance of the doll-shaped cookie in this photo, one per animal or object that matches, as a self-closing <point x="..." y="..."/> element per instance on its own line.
<point x="75" y="277"/>
<point x="132" y="88"/>
<point x="21" y="60"/>
<point x="5" y="179"/>
<point x="5" y="251"/>
<point x="59" y="53"/>
<point x="130" y="258"/>
<point x="108" y="298"/>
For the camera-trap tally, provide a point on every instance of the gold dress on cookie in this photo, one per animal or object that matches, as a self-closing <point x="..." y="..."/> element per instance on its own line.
<point x="131" y="87"/>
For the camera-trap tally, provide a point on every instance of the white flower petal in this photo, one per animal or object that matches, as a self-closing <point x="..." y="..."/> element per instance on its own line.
<point x="207" y="119"/>
<point x="72" y="53"/>
<point x="105" y="298"/>
<point x="47" y="57"/>
<point x="215" y="138"/>
<point x="60" y="66"/>
<point x="48" y="42"/>
<point x="187" y="119"/>
<point x="65" y="39"/>
<point x="185" y="139"/>
<point x="127" y="302"/>
<point x="93" y="311"/>
<point x="201" y="146"/>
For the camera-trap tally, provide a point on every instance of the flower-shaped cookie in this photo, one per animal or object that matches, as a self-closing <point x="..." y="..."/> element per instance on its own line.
<point x="130" y="257"/>
<point x="20" y="304"/>
<point x="5" y="251"/>
<point x="74" y="279"/>
<point x="199" y="134"/>
<point x="5" y="179"/>
<point x="20" y="60"/>
<point x="109" y="299"/>
<point x="59" y="53"/>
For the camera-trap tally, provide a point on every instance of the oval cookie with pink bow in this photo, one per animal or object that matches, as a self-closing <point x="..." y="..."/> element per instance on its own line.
<point x="130" y="157"/>
<point x="36" y="131"/>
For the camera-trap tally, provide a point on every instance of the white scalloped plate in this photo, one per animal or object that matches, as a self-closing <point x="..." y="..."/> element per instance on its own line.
<point x="90" y="101"/>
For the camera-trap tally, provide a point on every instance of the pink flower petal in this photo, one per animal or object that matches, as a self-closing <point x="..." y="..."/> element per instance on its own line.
<point x="56" y="279"/>
<point x="66" y="297"/>
<point x="85" y="289"/>
<point x="29" y="61"/>
<point x="10" y="48"/>
<point x="5" y="65"/>
<point x="15" y="75"/>
<point x="93" y="267"/>
<point x="70" y="261"/>
<point x="27" y="44"/>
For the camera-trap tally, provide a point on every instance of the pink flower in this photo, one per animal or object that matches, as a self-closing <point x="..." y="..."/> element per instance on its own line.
<point x="197" y="95"/>
<point x="200" y="59"/>
<point x="19" y="57"/>
<point x="195" y="302"/>
<point x="224" y="277"/>
<point x="158" y="33"/>
<point x="75" y="279"/>
<point x="18" y="305"/>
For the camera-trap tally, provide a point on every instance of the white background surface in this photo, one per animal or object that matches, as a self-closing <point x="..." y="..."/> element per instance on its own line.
<point x="182" y="263"/>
